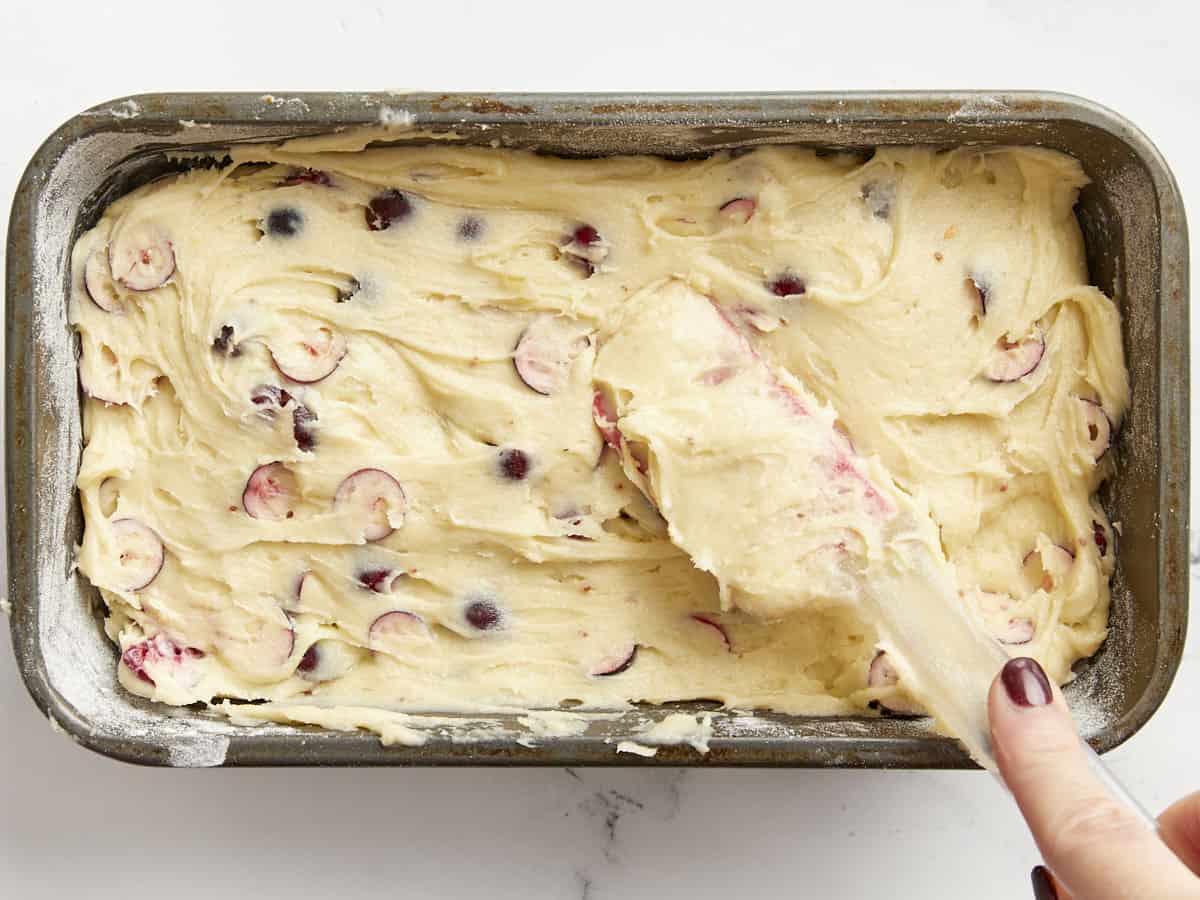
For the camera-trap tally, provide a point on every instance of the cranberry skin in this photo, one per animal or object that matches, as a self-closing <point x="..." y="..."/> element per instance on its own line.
<point x="386" y="208"/>
<point x="308" y="176"/>
<point x="513" y="464"/>
<point x="787" y="286"/>
<point x="224" y="343"/>
<point x="585" y="235"/>
<point x="483" y="615"/>
<point x="302" y="431"/>
<point x="284" y="222"/>
<point x="308" y="661"/>
<point x="470" y="228"/>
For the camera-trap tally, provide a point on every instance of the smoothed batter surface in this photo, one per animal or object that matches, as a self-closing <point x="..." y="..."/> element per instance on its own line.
<point x="341" y="425"/>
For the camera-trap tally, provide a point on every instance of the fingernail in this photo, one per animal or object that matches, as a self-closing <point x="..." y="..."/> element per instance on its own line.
<point x="1043" y="884"/>
<point x="1025" y="682"/>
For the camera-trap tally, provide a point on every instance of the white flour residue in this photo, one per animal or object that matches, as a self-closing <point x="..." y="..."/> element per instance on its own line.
<point x="5" y="607"/>
<point x="272" y="100"/>
<point x="977" y="107"/>
<point x="680" y="728"/>
<point x="126" y="109"/>
<point x="635" y="748"/>
<point x="395" y="118"/>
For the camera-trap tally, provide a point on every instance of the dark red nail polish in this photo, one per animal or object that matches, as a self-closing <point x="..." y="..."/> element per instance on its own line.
<point x="1025" y="682"/>
<point x="1043" y="884"/>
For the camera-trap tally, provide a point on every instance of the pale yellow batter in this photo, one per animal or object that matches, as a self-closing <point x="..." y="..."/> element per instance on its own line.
<point x="342" y="443"/>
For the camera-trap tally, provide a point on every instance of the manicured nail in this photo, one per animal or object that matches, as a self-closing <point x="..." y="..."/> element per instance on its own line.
<point x="1025" y="682"/>
<point x="1043" y="884"/>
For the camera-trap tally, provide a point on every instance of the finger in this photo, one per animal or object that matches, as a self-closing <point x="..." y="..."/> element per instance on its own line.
<point x="1179" y="827"/>
<point x="1095" y="846"/>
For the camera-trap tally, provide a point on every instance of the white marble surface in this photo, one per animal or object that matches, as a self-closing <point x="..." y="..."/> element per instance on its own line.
<point x="74" y="824"/>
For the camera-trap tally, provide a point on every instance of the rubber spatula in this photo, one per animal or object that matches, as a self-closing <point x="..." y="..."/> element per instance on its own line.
<point x="762" y="489"/>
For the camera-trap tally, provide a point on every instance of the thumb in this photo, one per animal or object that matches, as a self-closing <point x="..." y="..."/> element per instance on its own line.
<point x="1096" y="847"/>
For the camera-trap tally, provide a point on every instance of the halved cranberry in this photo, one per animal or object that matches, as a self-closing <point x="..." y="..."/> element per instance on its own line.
<point x="154" y="651"/>
<point x="271" y="492"/>
<point x="98" y="282"/>
<point x="1100" y="536"/>
<point x="141" y="257"/>
<point x="140" y="553"/>
<point x="393" y="629"/>
<point x="1013" y="360"/>
<point x="376" y="500"/>
<point x="739" y="210"/>
<point x="978" y="289"/>
<point x="311" y="358"/>
<point x="617" y="662"/>
<point x="544" y="354"/>
<point x="881" y="673"/>
<point x="711" y="622"/>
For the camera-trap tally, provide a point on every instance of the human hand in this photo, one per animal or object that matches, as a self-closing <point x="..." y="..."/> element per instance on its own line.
<point x="1095" y="847"/>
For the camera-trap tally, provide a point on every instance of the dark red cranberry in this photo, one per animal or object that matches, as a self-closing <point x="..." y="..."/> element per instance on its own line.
<point x="1101" y="538"/>
<point x="309" y="660"/>
<point x="224" y="344"/>
<point x="786" y="286"/>
<point x="514" y="464"/>
<point x="308" y="176"/>
<point x="268" y="398"/>
<point x="482" y="614"/>
<point x="377" y="580"/>
<point x="386" y="208"/>
<point x="284" y="222"/>
<point x="585" y="235"/>
<point x="302" y="430"/>
<point x="470" y="228"/>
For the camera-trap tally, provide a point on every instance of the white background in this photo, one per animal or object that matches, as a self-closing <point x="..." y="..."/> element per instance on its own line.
<point x="74" y="824"/>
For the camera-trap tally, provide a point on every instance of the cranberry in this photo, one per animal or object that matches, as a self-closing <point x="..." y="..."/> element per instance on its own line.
<point x="470" y="228"/>
<point x="284" y="222"/>
<point x="786" y="286"/>
<point x="308" y="176"/>
<point x="378" y="580"/>
<point x="302" y="419"/>
<point x="1101" y="538"/>
<point x="482" y="614"/>
<point x="386" y="208"/>
<point x="352" y="287"/>
<point x="224" y="343"/>
<point x="586" y="235"/>
<point x="309" y="660"/>
<point x="514" y="464"/>
<point x="268" y="398"/>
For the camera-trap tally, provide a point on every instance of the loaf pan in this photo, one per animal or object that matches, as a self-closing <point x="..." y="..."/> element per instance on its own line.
<point x="1136" y="238"/>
